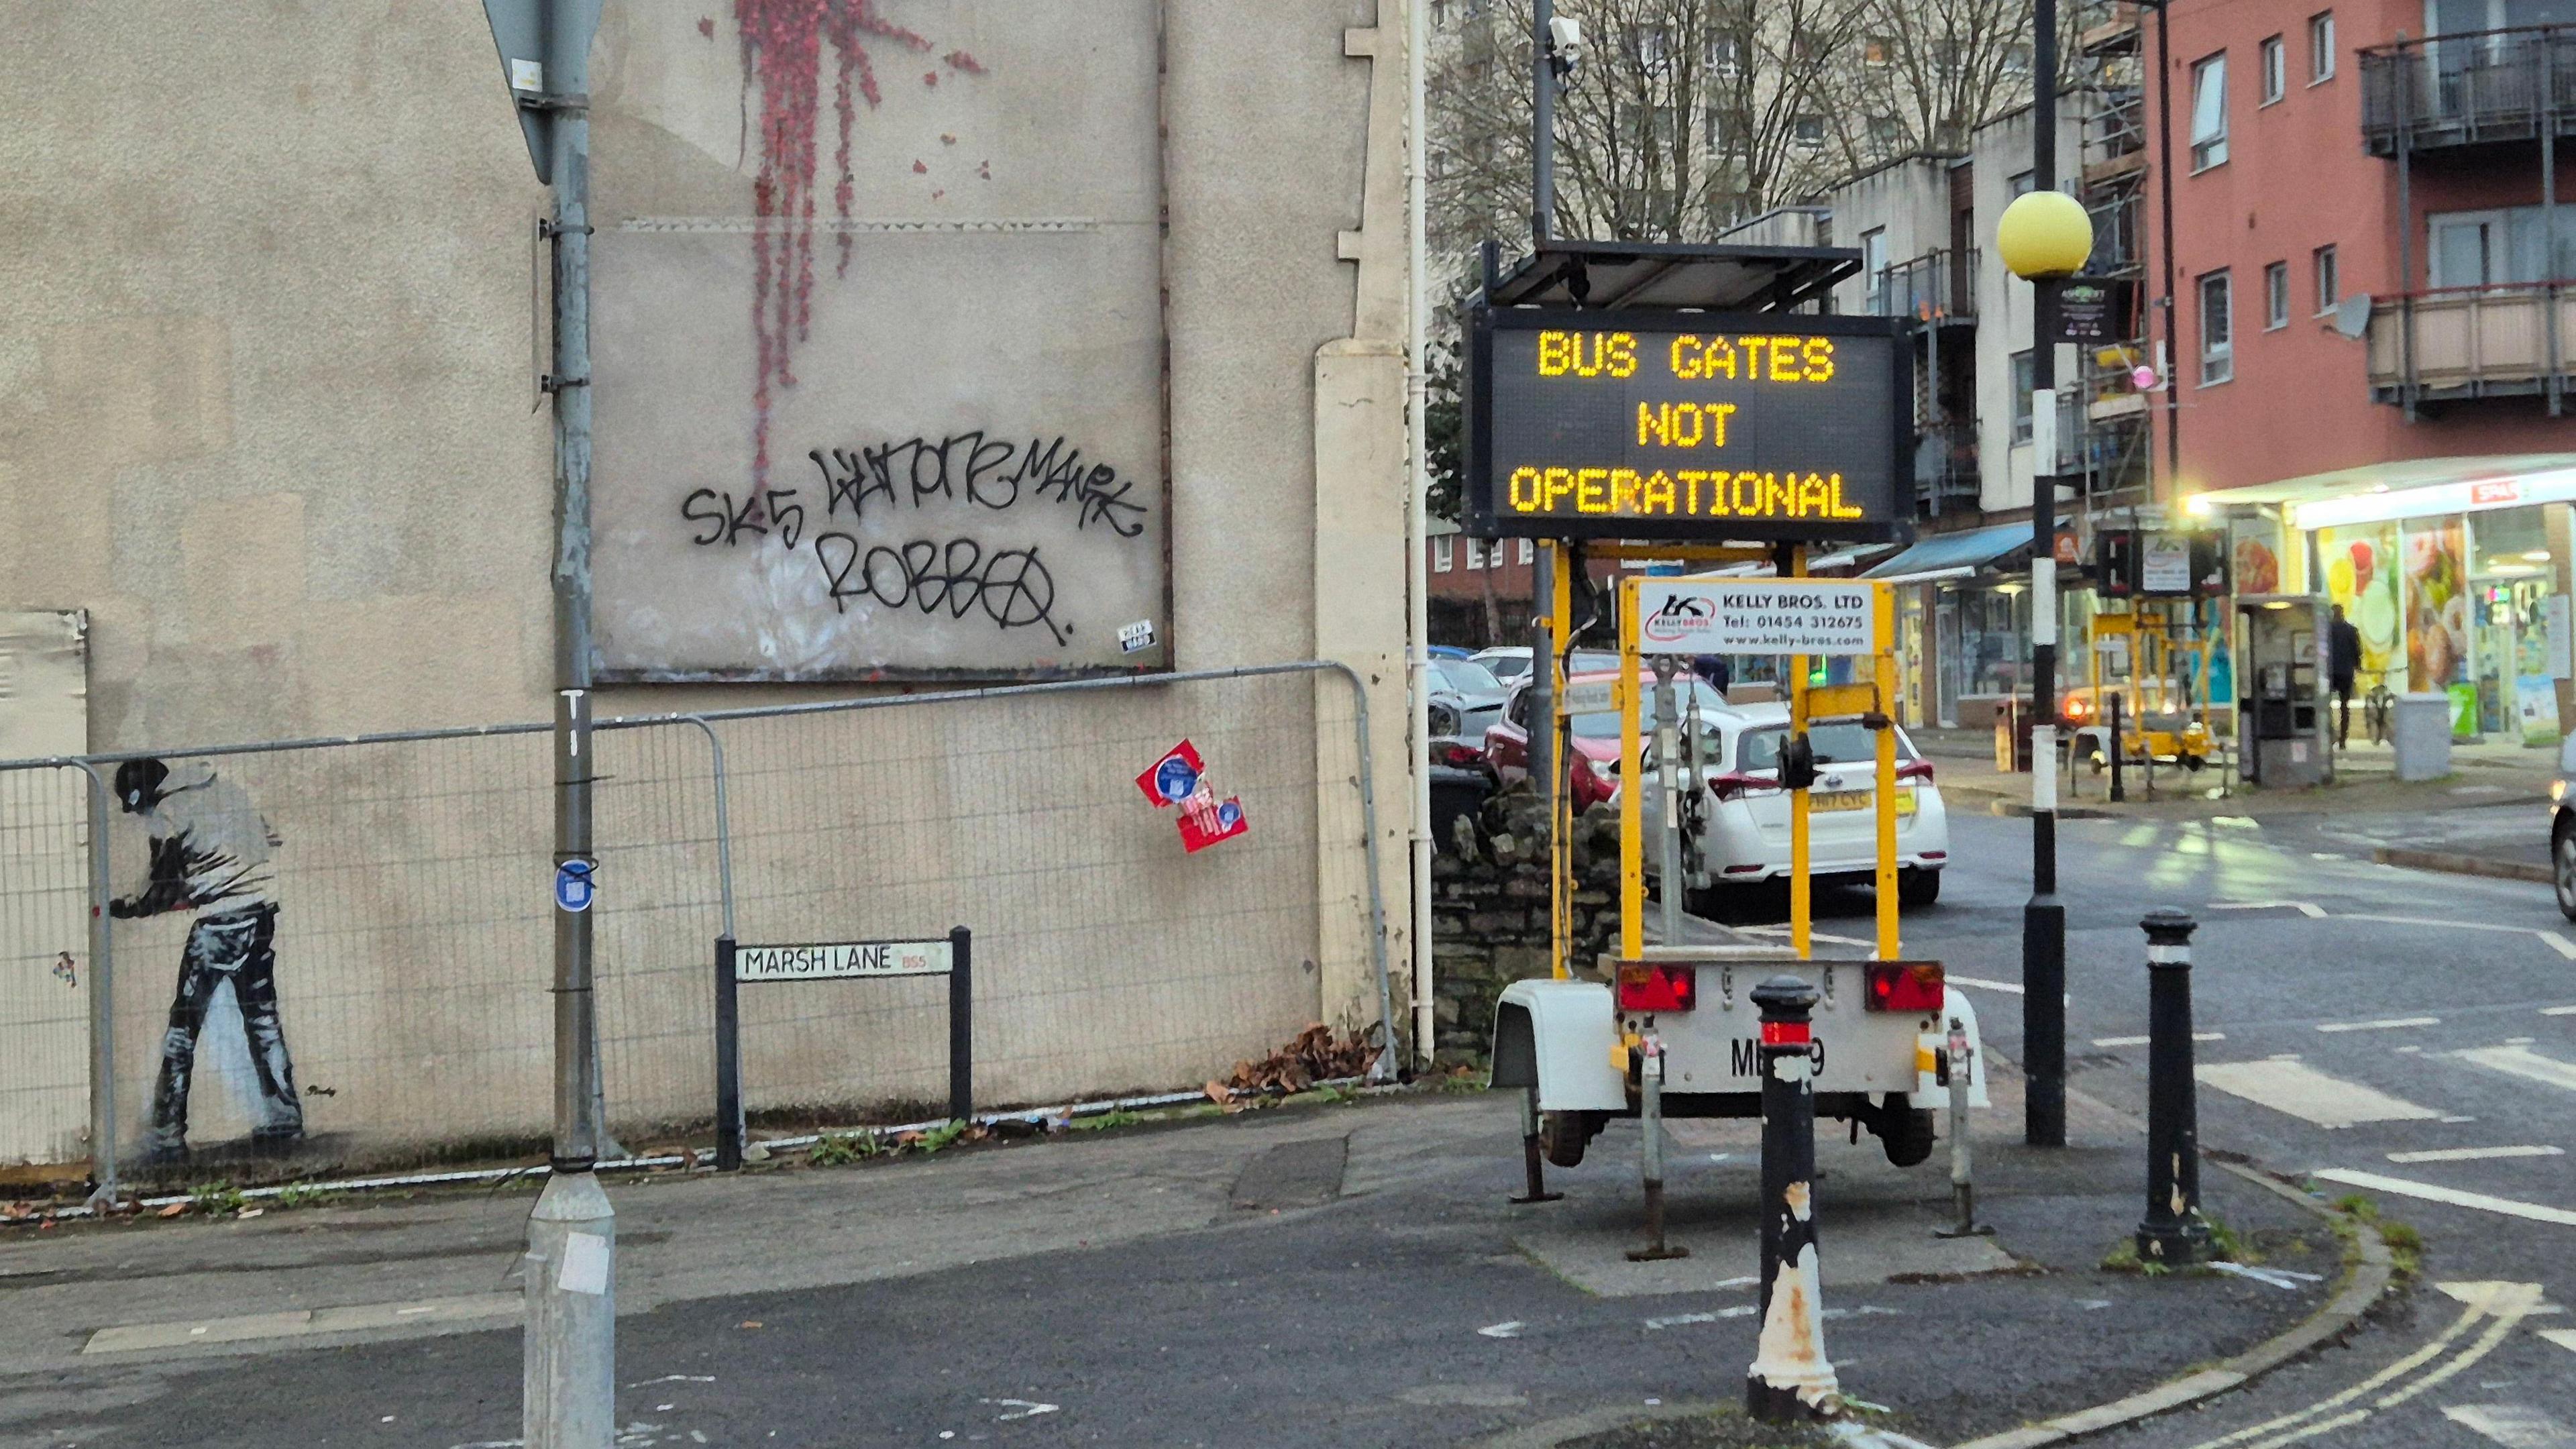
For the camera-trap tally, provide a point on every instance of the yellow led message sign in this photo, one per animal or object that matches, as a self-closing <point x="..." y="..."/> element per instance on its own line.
<point x="1686" y="425"/>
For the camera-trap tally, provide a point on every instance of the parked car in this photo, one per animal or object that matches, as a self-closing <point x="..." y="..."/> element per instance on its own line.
<point x="1594" y="723"/>
<point x="1473" y="692"/>
<point x="1511" y="663"/>
<point x="1451" y="651"/>
<point x="1743" y="825"/>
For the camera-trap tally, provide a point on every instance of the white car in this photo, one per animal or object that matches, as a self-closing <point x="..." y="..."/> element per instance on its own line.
<point x="1743" y="818"/>
<point x="1510" y="663"/>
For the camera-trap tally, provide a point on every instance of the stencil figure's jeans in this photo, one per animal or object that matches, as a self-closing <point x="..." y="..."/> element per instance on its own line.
<point x="233" y="946"/>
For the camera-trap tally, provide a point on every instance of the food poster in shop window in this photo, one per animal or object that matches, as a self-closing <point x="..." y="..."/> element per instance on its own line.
<point x="2362" y="575"/>
<point x="2437" y="605"/>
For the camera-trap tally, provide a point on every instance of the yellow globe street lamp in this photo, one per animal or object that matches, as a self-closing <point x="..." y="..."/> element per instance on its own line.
<point x="2044" y="235"/>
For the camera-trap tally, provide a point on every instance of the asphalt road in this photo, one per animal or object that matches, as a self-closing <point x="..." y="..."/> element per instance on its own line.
<point x="2405" y="1035"/>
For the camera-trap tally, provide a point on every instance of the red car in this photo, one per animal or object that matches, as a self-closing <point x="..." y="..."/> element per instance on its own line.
<point x="1594" y="719"/>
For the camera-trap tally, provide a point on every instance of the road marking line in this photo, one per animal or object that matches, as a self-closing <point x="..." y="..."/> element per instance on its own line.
<point x="2558" y="1011"/>
<point x="2307" y="909"/>
<point x="2516" y="1426"/>
<point x="2563" y="1337"/>
<point x="2523" y="1062"/>
<point x="2558" y="943"/>
<point x="1982" y="984"/>
<point x="1509" y="1329"/>
<point x="2435" y="1348"/>
<point x="2471" y="1154"/>
<point x="2455" y="1197"/>
<point x="2298" y="1090"/>
<point x="2385" y="1024"/>
<point x="2509" y="1302"/>
<point x="2121" y="1041"/>
<point x="1741" y="1310"/>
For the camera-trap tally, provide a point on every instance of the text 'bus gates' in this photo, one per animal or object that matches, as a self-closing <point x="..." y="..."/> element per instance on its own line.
<point x="1687" y="425"/>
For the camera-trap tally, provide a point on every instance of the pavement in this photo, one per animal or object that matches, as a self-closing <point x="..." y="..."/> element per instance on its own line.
<point x="1304" y="1275"/>
<point x="2488" y="817"/>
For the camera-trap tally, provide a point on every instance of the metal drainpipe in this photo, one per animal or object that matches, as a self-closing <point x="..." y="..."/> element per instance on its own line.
<point x="1417" y="519"/>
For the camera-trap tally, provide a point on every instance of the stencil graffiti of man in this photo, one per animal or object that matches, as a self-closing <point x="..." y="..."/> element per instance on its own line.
<point x="210" y="854"/>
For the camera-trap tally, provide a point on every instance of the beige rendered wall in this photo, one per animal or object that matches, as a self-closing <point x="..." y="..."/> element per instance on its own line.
<point x="265" y="412"/>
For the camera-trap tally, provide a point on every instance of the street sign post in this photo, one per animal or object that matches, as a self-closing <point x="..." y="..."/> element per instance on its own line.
<point x="737" y="965"/>
<point x="569" y="1394"/>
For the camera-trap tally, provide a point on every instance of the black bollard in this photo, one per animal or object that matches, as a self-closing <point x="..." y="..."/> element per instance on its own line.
<point x="1790" y="1378"/>
<point x="1529" y="1153"/>
<point x="2116" y="749"/>
<point x="2174" y="1231"/>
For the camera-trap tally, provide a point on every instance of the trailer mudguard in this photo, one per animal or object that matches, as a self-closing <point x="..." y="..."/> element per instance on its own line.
<point x="1928" y="1090"/>
<point x="1556" y="1036"/>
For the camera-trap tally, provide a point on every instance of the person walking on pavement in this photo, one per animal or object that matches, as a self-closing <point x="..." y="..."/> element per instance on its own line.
<point x="2343" y="662"/>
<point x="210" y="854"/>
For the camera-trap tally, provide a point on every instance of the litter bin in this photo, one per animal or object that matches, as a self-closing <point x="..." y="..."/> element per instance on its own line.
<point x="2420" y="727"/>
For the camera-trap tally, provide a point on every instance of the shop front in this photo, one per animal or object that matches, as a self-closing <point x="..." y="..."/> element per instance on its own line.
<point x="2452" y="572"/>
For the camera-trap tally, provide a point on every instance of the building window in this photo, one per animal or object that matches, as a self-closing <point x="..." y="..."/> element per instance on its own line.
<point x="2501" y="245"/>
<point x="2276" y="70"/>
<point x="2217" y="330"/>
<point x="1873" y="270"/>
<point x="1443" y="551"/>
<point x="2321" y="47"/>
<point x="1726" y="55"/>
<point x="2022" y="376"/>
<point x="2329" y="287"/>
<point x="2276" y="296"/>
<point x="1808" y="131"/>
<point x="1529" y="551"/>
<point x="1654" y="47"/>
<point x="2024" y="183"/>
<point x="2209" y="112"/>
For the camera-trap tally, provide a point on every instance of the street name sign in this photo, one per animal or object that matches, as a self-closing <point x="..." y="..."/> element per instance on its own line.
<point x="844" y="960"/>
<point x="1822" y="617"/>
<point x="1692" y="426"/>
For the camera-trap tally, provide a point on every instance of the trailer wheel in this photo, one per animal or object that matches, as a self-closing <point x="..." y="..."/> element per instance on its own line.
<point x="1564" y="1135"/>
<point x="1907" y="1136"/>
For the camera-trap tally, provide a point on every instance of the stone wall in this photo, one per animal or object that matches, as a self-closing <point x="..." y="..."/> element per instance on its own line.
<point x="1489" y="908"/>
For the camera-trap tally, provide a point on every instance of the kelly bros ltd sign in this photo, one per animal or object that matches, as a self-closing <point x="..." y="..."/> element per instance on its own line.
<point x="1687" y="425"/>
<point x="1823" y="617"/>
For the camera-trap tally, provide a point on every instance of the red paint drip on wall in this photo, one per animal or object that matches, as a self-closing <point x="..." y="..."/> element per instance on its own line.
<point x="782" y="52"/>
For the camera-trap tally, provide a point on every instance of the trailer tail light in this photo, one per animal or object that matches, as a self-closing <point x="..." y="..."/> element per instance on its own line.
<point x="1656" y="988"/>
<point x="1905" y="986"/>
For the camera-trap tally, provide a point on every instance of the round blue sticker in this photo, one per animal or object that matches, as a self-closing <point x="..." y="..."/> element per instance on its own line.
<point x="1229" y="815"/>
<point x="573" y="886"/>
<point x="1174" y="779"/>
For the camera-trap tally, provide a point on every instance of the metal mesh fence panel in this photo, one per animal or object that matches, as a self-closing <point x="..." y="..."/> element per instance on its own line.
<point x="44" y="964"/>
<point x="339" y="954"/>
<point x="1106" y="956"/>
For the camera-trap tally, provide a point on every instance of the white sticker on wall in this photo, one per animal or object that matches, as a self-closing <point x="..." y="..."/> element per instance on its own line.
<point x="1139" y="635"/>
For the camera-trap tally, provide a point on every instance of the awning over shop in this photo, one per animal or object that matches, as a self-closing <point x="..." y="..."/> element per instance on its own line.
<point x="1976" y="547"/>
<point x="2415" y="488"/>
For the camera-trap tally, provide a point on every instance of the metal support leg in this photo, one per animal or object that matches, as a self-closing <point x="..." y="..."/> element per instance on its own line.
<point x="1650" y="1117"/>
<point x="1961" y="1061"/>
<point x="1537" y="1188"/>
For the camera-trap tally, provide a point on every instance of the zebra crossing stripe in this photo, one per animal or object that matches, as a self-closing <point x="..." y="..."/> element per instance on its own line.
<point x="2516" y="1426"/>
<point x="2434" y="1192"/>
<point x="2299" y="1090"/>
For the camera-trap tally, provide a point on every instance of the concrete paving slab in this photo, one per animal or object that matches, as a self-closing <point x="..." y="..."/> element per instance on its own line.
<point x="297" y="1323"/>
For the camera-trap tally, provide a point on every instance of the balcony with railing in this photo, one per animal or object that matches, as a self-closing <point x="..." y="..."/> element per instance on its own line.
<point x="2469" y="90"/>
<point x="1938" y="286"/>
<point x="2457" y="343"/>
<point x="1945" y="468"/>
